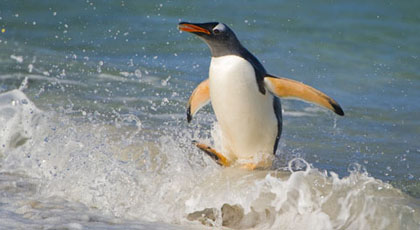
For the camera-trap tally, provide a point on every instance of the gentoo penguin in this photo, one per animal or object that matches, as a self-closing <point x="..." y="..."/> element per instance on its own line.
<point x="245" y="99"/>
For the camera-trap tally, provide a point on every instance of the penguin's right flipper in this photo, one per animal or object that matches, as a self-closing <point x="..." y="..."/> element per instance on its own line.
<point x="199" y="98"/>
<point x="216" y="156"/>
<point x="288" y="88"/>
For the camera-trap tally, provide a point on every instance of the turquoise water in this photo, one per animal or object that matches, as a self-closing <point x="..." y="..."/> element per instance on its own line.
<point x="101" y="106"/>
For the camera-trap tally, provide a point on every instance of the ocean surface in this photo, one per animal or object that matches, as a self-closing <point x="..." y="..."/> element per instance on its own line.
<point x="93" y="130"/>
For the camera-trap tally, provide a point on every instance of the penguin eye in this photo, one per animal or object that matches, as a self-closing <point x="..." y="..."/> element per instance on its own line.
<point x="219" y="29"/>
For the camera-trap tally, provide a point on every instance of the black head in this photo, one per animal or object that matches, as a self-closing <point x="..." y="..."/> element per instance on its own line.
<point x="218" y="36"/>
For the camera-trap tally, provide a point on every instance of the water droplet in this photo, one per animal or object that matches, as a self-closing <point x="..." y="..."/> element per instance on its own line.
<point x="137" y="73"/>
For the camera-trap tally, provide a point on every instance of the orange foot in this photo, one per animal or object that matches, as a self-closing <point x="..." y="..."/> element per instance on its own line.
<point x="249" y="166"/>
<point x="218" y="157"/>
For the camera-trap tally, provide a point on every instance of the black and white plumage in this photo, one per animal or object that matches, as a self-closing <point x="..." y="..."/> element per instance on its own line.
<point x="244" y="98"/>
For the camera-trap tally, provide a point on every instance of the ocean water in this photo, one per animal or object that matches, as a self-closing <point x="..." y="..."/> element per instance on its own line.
<point x="93" y="131"/>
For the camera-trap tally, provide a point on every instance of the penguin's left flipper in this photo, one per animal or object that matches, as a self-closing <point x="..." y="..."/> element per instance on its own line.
<point x="199" y="98"/>
<point x="284" y="88"/>
<point x="216" y="156"/>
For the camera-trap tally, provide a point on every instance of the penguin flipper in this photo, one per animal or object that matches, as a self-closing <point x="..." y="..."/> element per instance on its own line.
<point x="288" y="88"/>
<point x="199" y="98"/>
<point x="216" y="156"/>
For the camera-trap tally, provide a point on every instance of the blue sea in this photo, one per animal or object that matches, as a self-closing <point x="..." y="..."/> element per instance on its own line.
<point x="93" y="130"/>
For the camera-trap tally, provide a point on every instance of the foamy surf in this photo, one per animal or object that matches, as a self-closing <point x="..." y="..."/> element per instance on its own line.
<point x="57" y="171"/>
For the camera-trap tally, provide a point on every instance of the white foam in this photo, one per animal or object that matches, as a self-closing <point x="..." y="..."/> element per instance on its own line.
<point x="19" y="119"/>
<point x="18" y="59"/>
<point x="121" y="173"/>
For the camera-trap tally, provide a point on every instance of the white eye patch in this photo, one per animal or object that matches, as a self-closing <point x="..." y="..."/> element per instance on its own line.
<point x="220" y="27"/>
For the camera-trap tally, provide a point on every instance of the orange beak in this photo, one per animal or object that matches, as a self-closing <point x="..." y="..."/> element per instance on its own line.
<point x="192" y="28"/>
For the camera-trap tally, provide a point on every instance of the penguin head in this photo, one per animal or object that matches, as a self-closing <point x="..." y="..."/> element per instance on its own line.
<point x="218" y="36"/>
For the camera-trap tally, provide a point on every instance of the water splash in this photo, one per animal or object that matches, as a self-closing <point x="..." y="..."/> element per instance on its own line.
<point x="124" y="172"/>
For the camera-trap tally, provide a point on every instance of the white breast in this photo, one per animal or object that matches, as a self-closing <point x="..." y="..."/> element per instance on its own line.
<point x="246" y="116"/>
